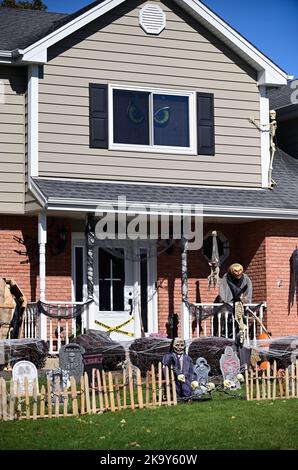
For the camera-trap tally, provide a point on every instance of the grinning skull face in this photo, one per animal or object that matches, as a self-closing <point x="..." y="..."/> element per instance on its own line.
<point x="179" y="346"/>
<point x="236" y="270"/>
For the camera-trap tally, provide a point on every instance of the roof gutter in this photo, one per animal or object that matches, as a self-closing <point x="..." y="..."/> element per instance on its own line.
<point x="63" y="204"/>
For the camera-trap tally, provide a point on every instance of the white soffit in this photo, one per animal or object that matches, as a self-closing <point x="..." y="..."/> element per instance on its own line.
<point x="152" y="19"/>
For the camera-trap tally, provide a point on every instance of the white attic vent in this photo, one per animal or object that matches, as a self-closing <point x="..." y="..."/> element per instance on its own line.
<point x="152" y="19"/>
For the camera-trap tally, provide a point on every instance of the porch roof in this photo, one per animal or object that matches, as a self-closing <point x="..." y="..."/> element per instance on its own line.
<point x="280" y="203"/>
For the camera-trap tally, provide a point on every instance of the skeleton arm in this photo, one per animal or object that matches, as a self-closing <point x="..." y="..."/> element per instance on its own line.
<point x="260" y="127"/>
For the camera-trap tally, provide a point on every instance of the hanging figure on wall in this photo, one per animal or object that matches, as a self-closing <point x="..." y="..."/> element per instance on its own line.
<point x="236" y="289"/>
<point x="182" y="366"/>
<point x="213" y="278"/>
<point x="293" y="277"/>
<point x="271" y="128"/>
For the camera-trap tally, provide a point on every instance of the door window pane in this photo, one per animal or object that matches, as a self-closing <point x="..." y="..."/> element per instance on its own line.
<point x="131" y="117"/>
<point x="79" y="274"/>
<point x="171" y="120"/>
<point x="111" y="281"/>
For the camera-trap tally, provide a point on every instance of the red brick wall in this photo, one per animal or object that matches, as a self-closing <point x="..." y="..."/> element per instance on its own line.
<point x="281" y="241"/>
<point x="264" y="248"/>
<point x="58" y="285"/>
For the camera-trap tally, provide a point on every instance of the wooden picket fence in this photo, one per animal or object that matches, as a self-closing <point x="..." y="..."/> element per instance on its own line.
<point x="271" y="383"/>
<point x="107" y="392"/>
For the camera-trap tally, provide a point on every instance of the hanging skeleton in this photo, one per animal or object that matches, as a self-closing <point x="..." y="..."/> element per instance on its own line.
<point x="293" y="277"/>
<point x="271" y="128"/>
<point x="213" y="278"/>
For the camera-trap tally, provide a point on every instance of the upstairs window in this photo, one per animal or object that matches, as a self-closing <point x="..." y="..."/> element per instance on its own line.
<point x="141" y="119"/>
<point x="152" y="120"/>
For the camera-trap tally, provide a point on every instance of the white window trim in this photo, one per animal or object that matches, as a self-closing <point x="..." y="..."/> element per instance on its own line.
<point x="191" y="150"/>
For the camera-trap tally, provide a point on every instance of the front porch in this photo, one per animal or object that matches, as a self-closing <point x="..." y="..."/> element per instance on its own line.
<point x="64" y="321"/>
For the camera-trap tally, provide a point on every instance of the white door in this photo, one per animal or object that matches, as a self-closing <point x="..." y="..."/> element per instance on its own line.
<point x="124" y="287"/>
<point x="124" y="290"/>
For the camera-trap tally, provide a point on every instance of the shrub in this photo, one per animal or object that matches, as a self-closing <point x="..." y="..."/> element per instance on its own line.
<point x="112" y="352"/>
<point x="283" y="350"/>
<point x="32" y="350"/>
<point x="146" y="351"/>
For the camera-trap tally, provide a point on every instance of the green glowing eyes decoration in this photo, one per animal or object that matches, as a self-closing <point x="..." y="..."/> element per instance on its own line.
<point x="161" y="116"/>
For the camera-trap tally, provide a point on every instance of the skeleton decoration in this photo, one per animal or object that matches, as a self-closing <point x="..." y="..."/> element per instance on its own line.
<point x="213" y="277"/>
<point x="201" y="372"/>
<point x="271" y="128"/>
<point x="182" y="366"/>
<point x="230" y="369"/>
<point x="293" y="277"/>
<point x="236" y="288"/>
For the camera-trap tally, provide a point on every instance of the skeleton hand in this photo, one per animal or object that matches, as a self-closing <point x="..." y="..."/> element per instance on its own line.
<point x="181" y="378"/>
<point x="194" y="384"/>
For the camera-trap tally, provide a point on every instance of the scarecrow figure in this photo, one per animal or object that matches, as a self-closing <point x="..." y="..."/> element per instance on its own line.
<point x="293" y="277"/>
<point x="236" y="288"/>
<point x="182" y="366"/>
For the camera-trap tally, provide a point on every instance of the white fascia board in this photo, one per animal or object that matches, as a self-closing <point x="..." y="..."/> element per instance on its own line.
<point x="271" y="73"/>
<point x="38" y="51"/>
<point x="208" y="211"/>
<point x="32" y="123"/>
<point x="39" y="196"/>
<point x="264" y="135"/>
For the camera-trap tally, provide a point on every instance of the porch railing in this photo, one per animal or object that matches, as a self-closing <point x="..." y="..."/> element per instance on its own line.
<point x="210" y="321"/>
<point x="57" y="330"/>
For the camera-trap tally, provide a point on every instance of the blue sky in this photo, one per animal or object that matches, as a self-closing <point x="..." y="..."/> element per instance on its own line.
<point x="271" y="25"/>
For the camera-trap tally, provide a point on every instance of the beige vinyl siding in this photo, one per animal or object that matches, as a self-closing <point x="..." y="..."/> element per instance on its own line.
<point x="114" y="49"/>
<point x="12" y="140"/>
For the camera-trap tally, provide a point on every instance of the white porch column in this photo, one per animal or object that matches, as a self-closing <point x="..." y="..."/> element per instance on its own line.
<point x="136" y="293"/>
<point x="185" y="318"/>
<point x="42" y="240"/>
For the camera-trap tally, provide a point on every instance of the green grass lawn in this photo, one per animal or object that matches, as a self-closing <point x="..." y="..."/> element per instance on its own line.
<point x="220" y="423"/>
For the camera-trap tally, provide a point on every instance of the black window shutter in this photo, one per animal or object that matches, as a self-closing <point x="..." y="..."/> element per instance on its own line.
<point x="205" y="122"/>
<point x="98" y="109"/>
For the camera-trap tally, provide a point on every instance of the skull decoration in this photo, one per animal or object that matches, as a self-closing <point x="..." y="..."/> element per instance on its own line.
<point x="236" y="270"/>
<point x="179" y="346"/>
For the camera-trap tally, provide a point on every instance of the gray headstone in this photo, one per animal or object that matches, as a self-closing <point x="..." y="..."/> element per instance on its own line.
<point x="201" y="372"/>
<point x="64" y="382"/>
<point x="71" y="360"/>
<point x="230" y="367"/>
<point x="21" y="370"/>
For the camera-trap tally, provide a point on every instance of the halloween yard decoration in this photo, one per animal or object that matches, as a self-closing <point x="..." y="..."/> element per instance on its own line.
<point x="271" y="128"/>
<point x="236" y="288"/>
<point x="213" y="278"/>
<point x="293" y="277"/>
<point x="182" y="366"/>
<point x="12" y="307"/>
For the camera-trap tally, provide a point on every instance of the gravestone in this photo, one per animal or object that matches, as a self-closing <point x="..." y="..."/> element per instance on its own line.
<point x="71" y="360"/>
<point x="201" y="373"/>
<point x="64" y="382"/>
<point x="92" y="361"/>
<point x="230" y="368"/>
<point x="21" y="370"/>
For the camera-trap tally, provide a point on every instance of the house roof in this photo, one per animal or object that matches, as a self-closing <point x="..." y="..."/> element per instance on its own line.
<point x="35" y="50"/>
<point x="281" y="202"/>
<point x="282" y="97"/>
<point x="20" y="28"/>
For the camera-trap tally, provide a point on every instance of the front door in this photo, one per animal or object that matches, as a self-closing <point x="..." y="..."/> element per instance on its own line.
<point x="114" y="292"/>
